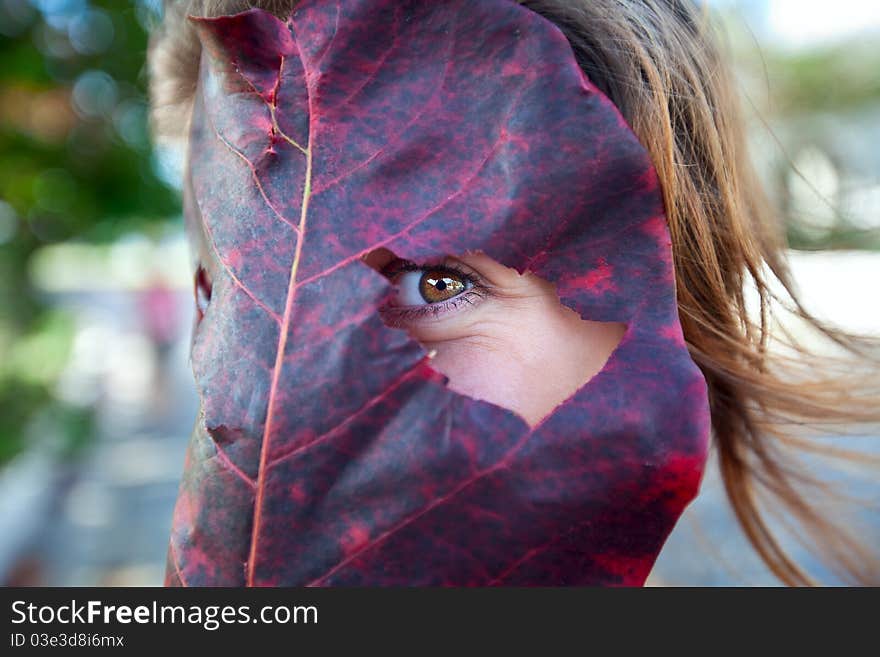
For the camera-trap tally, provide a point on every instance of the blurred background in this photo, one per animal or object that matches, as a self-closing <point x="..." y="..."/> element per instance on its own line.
<point x="96" y="395"/>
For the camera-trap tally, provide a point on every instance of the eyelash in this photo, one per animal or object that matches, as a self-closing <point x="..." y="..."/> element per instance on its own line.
<point x="402" y="314"/>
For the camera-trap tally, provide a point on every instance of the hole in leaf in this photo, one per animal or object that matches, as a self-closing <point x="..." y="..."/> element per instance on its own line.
<point x="202" y="291"/>
<point x="499" y="336"/>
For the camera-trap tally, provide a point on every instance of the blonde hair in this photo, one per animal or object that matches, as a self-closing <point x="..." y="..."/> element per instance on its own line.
<point x="659" y="62"/>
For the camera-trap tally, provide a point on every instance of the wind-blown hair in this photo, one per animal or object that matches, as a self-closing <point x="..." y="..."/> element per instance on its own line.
<point x="660" y="62"/>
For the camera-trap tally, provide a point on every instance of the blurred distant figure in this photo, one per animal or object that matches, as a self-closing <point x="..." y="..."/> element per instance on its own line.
<point x="160" y="320"/>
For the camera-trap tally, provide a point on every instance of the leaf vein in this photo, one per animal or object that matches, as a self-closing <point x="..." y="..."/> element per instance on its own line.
<point x="230" y="465"/>
<point x="329" y="45"/>
<point x="273" y="106"/>
<point x="395" y="139"/>
<point x="381" y="61"/>
<point x="256" y="178"/>
<point x="466" y="186"/>
<point x="440" y="501"/>
<point x="228" y="269"/>
<point x="532" y="552"/>
<point x="176" y="564"/>
<point x="250" y="571"/>
<point x="353" y="416"/>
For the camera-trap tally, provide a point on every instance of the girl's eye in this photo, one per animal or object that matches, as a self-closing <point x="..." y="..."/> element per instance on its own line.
<point x="419" y="287"/>
<point x="430" y="290"/>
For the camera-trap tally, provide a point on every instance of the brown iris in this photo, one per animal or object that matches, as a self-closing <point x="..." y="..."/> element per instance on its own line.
<point x="438" y="285"/>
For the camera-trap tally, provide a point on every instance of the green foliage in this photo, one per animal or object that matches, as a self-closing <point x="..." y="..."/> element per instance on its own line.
<point x="837" y="77"/>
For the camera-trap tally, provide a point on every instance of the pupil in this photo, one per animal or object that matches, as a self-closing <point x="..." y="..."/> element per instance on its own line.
<point x="436" y="286"/>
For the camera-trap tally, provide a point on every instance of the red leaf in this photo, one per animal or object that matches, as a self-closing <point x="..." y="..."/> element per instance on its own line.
<point x="328" y="452"/>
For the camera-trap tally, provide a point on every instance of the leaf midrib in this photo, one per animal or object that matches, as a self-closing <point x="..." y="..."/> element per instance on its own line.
<point x="285" y="325"/>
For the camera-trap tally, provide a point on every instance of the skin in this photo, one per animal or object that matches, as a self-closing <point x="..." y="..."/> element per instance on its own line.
<point x="513" y="344"/>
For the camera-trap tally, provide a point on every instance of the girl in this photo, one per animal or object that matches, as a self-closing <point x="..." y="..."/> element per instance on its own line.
<point x="657" y="61"/>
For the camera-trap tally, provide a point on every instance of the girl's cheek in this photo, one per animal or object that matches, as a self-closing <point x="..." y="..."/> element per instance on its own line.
<point x="528" y="362"/>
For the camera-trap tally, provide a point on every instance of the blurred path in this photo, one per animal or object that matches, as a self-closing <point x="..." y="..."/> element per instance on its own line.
<point x="112" y="525"/>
